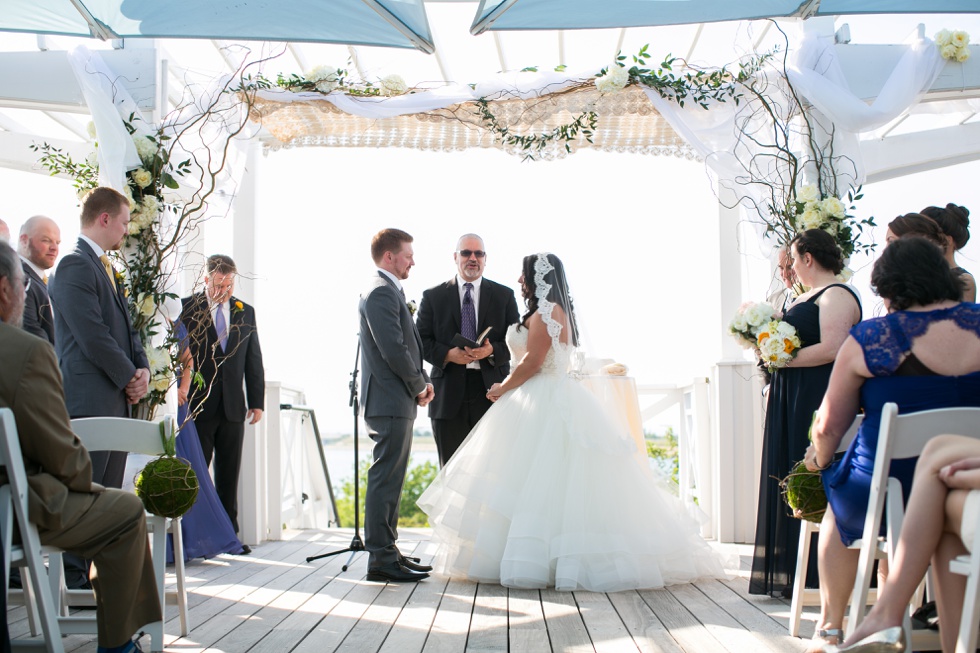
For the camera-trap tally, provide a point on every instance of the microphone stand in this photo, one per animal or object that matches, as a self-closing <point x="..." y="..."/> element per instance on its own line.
<point x="356" y="544"/>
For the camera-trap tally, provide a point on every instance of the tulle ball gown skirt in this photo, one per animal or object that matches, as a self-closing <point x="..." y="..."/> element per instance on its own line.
<point x="547" y="492"/>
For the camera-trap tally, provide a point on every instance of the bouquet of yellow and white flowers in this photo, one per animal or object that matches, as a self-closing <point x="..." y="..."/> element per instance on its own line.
<point x="749" y="318"/>
<point x="778" y="343"/>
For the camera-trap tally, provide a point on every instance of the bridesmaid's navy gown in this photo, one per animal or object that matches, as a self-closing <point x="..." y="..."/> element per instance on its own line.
<point x="794" y="395"/>
<point x="206" y="527"/>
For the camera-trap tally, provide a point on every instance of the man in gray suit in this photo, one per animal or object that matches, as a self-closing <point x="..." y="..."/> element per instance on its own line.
<point x="101" y="358"/>
<point x="393" y="386"/>
<point x="38" y="246"/>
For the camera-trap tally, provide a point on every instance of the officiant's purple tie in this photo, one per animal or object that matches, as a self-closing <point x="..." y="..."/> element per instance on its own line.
<point x="221" y="327"/>
<point x="468" y="328"/>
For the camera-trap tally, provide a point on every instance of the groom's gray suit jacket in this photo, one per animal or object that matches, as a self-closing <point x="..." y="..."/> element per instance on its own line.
<point x="392" y="374"/>
<point x="98" y="349"/>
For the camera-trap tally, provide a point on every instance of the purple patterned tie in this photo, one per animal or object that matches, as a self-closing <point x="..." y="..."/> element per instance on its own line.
<point x="468" y="329"/>
<point x="221" y="327"/>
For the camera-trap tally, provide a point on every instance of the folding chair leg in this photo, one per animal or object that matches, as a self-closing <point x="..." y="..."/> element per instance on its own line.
<point x="966" y="642"/>
<point x="178" y="547"/>
<point x="799" y="584"/>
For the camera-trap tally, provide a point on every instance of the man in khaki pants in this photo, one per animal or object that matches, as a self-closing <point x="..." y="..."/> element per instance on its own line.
<point x="71" y="512"/>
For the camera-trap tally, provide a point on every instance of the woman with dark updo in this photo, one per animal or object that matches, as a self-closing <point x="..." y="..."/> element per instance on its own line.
<point x="916" y="224"/>
<point x="822" y="317"/>
<point x="955" y="224"/>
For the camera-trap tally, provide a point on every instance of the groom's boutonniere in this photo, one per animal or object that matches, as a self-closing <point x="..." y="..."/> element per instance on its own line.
<point x="412" y="307"/>
<point x="237" y="306"/>
<point x="121" y="282"/>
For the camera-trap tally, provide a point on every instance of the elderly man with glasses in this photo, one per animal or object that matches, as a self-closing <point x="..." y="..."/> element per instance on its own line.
<point x="465" y="305"/>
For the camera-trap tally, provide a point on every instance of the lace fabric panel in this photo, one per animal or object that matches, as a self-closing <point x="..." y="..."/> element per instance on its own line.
<point x="564" y="353"/>
<point x="887" y="340"/>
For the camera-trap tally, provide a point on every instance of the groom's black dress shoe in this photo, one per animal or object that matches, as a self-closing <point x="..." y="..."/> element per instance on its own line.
<point x="394" y="572"/>
<point x="413" y="564"/>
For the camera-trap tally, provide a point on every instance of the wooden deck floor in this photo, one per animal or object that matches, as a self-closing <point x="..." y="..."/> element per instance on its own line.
<point x="273" y="601"/>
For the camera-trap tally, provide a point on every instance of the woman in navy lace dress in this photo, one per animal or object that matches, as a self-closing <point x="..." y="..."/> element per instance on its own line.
<point x="822" y="317"/>
<point x="924" y="354"/>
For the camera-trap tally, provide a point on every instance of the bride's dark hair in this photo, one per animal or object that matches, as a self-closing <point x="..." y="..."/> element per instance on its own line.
<point x="558" y="294"/>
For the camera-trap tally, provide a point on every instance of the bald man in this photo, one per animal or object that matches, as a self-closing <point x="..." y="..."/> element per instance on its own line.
<point x="4" y="232"/>
<point x="38" y="246"/>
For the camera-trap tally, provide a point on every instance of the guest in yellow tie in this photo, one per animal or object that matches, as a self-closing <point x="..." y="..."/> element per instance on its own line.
<point x="38" y="246"/>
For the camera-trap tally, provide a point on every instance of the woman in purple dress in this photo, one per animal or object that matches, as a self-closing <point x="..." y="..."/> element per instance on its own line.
<point x="207" y="531"/>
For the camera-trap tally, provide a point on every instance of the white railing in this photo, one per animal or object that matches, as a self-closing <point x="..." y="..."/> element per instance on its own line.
<point x="284" y="477"/>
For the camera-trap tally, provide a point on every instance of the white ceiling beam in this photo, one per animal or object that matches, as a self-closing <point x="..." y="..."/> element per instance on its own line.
<point x="71" y="124"/>
<point x="8" y="124"/>
<point x="908" y="154"/>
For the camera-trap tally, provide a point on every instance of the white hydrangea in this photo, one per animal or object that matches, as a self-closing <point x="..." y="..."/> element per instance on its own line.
<point x="324" y="78"/>
<point x="92" y="160"/>
<point x="393" y="85"/>
<point x="129" y="195"/>
<point x="150" y="206"/>
<point x="145" y="147"/>
<point x="142" y="177"/>
<point x="615" y="79"/>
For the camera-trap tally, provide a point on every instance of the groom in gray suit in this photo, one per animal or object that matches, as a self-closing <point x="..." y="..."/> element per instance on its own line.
<point x="393" y="386"/>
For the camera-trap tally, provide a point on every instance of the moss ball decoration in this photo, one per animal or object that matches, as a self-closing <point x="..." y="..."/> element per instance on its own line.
<point x="167" y="486"/>
<point x="803" y="493"/>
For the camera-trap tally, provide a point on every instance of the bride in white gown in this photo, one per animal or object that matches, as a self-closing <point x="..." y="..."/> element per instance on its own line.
<point x="547" y="490"/>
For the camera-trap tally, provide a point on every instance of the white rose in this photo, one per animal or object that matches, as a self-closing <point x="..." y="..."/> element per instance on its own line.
<point x="948" y="51"/>
<point x="321" y="73"/>
<point x="393" y="85"/>
<point x="146" y="148"/>
<point x="90" y="128"/>
<point x="812" y="218"/>
<point x="960" y="39"/>
<point x="943" y="37"/>
<point x="142" y="177"/>
<point x="615" y="79"/>
<point x="833" y="207"/>
<point x="785" y="329"/>
<point x="772" y="349"/>
<point x="738" y="324"/>
<point x="147" y="307"/>
<point x="808" y="193"/>
<point x="158" y="359"/>
<point x="845" y="275"/>
<point x="129" y="195"/>
<point x="962" y="54"/>
<point x="831" y="228"/>
<point x="160" y="383"/>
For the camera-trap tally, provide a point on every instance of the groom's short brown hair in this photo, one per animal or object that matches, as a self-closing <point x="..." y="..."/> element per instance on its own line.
<point x="388" y="240"/>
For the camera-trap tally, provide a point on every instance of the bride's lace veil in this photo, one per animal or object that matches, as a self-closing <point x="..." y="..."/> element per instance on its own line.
<point x="544" y="275"/>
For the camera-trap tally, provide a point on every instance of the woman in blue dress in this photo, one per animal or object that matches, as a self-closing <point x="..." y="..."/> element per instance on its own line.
<point x="924" y="354"/>
<point x="207" y="530"/>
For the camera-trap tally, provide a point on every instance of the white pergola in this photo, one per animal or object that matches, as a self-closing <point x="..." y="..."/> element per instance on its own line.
<point x="942" y="130"/>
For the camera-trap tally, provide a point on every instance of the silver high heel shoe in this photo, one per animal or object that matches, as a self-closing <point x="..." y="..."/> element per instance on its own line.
<point x="889" y="640"/>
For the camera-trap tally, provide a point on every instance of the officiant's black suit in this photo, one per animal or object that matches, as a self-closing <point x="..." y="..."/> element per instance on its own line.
<point x="461" y="399"/>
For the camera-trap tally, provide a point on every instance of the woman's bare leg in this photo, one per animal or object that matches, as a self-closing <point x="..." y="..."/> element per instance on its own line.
<point x="838" y="567"/>
<point x="949" y="586"/>
<point x="922" y="529"/>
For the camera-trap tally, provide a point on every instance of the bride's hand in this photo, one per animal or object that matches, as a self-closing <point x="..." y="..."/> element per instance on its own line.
<point x="495" y="392"/>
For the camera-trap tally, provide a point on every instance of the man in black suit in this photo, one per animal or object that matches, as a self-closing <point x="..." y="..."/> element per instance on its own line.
<point x="466" y="304"/>
<point x="38" y="245"/>
<point x="224" y="345"/>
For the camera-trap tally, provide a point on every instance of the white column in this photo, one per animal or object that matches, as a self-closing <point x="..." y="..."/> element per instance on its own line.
<point x="736" y="430"/>
<point x="253" y="495"/>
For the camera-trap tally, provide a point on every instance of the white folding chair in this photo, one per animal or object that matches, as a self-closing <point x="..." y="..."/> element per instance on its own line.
<point x="801" y="594"/>
<point x="900" y="436"/>
<point x="143" y="437"/>
<point x="27" y="554"/>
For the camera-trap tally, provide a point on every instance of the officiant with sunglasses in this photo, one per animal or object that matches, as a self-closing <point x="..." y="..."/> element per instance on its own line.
<point x="466" y="306"/>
